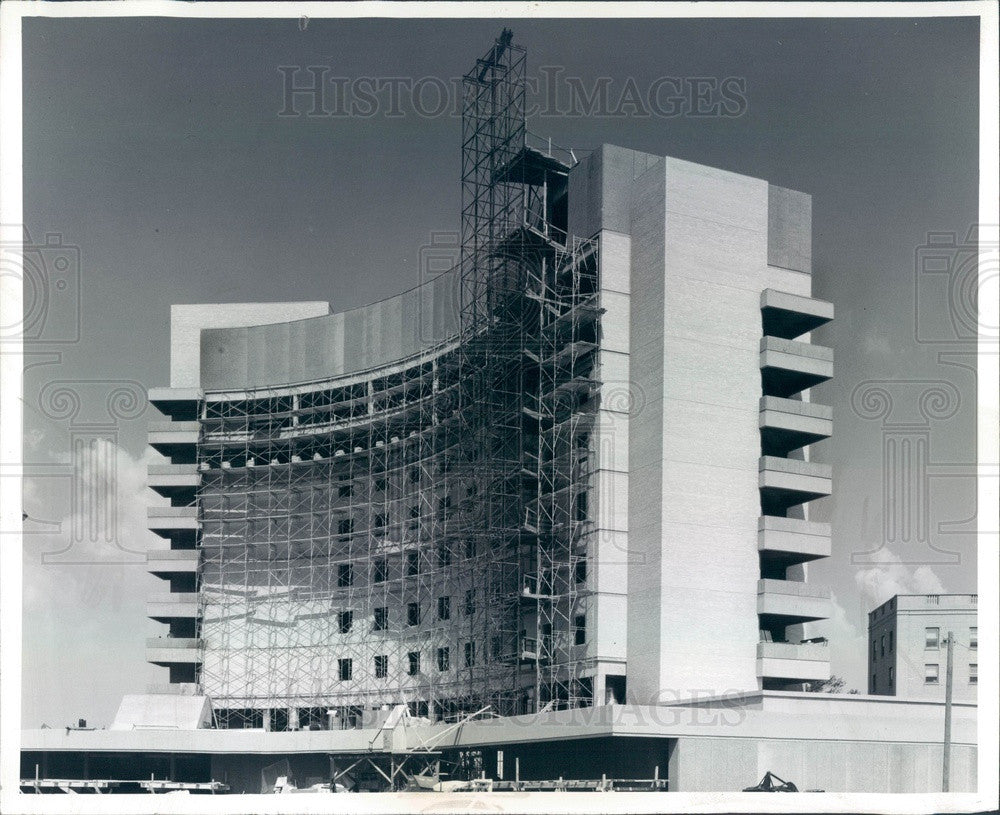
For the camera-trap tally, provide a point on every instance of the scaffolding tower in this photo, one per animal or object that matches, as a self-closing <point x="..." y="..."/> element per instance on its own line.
<point x="530" y="312"/>
<point x="417" y="533"/>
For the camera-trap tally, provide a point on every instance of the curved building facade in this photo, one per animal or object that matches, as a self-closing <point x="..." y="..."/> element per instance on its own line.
<point x="572" y="471"/>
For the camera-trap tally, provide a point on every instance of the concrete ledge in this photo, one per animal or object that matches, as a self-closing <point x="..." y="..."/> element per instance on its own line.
<point x="809" y="651"/>
<point x="178" y="403"/>
<point x="788" y="424"/>
<point x="793" y="600"/>
<point x="796" y="348"/>
<point x="791" y="315"/>
<point x="172" y="512"/>
<point x="794" y="540"/>
<point x="172" y="606"/>
<point x="174" y="427"/>
<point x="173" y="650"/>
<point x="172" y="561"/>
<point x="794" y="481"/>
<point x="794" y="466"/>
<point x="789" y="367"/>
<point x="796" y="407"/>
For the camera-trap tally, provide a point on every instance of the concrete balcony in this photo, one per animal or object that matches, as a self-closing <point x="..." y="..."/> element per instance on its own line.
<point x="166" y="521"/>
<point x="166" y="651"/>
<point x="790" y="541"/>
<point x="788" y="367"/>
<point x="177" y="606"/>
<point x="179" y="482"/>
<point x="169" y="562"/>
<point x="805" y="662"/>
<point x="177" y="403"/>
<point x="787" y="482"/>
<point x="176" y="440"/>
<point x="788" y="424"/>
<point x="790" y="315"/>
<point x="788" y="602"/>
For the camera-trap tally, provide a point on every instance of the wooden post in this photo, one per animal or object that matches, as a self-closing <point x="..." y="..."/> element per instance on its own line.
<point x="517" y="769"/>
<point x="946" y="760"/>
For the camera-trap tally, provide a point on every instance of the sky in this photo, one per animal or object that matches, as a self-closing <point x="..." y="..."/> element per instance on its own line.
<point x="167" y="165"/>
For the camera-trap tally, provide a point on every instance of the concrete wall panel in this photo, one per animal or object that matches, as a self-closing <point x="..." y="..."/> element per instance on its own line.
<point x="789" y="234"/>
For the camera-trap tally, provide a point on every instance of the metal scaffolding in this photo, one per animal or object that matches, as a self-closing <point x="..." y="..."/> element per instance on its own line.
<point x="420" y="533"/>
<point x="529" y="334"/>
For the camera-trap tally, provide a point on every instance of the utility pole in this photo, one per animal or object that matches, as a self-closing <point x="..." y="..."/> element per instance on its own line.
<point x="946" y="762"/>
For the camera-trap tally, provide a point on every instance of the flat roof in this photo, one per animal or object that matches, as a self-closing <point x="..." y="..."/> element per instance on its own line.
<point x="760" y="715"/>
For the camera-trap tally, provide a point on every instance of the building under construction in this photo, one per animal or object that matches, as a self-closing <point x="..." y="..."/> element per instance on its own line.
<point x="565" y="482"/>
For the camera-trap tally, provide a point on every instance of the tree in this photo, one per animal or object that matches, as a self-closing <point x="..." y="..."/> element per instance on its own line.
<point x="835" y="684"/>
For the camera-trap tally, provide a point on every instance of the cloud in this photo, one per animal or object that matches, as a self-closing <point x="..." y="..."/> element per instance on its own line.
<point x="891" y="576"/>
<point x="848" y="642"/>
<point x="87" y="526"/>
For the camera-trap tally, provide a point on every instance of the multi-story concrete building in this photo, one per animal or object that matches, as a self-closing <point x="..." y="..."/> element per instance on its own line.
<point x="907" y="638"/>
<point x="572" y="470"/>
<point x="567" y="480"/>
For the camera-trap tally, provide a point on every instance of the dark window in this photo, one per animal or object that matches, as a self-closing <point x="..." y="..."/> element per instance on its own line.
<point x="344" y="621"/>
<point x="470" y="549"/>
<point x="890" y="642"/>
<point x="380" y="485"/>
<point x="580" y="629"/>
<point x="345" y="668"/>
<point x="413" y="663"/>
<point x="345" y="526"/>
<point x="444" y="555"/>
<point x="381" y="667"/>
<point x="413" y="614"/>
<point x="581" y="571"/>
<point x="444" y="659"/>
<point x="414" y="474"/>
<point x="470" y="602"/>
<point x="345" y="490"/>
<point x="380" y="571"/>
<point x="345" y="575"/>
<point x="470" y="654"/>
<point x="497" y="645"/>
<point x="444" y="608"/>
<point x="581" y="507"/>
<point x="973" y="673"/>
<point x="882" y="647"/>
<point x="412" y="563"/>
<point x="378" y="522"/>
<point x="444" y="510"/>
<point x="381" y="618"/>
